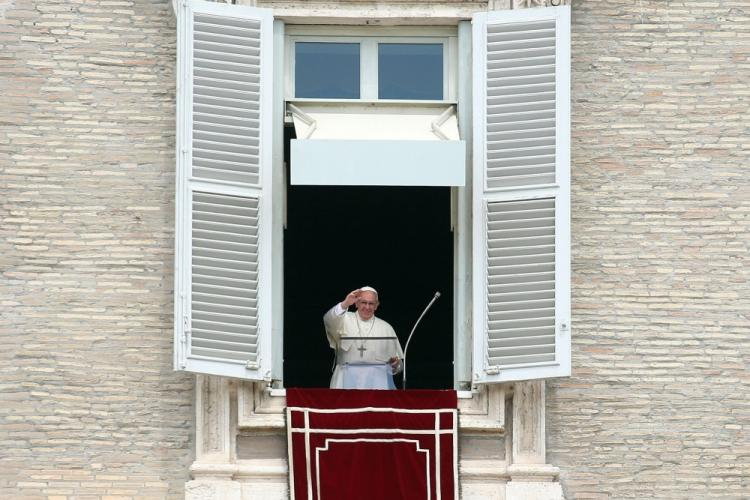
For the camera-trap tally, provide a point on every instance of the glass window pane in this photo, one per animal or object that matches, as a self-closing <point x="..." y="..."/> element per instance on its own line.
<point x="326" y="70"/>
<point x="410" y="71"/>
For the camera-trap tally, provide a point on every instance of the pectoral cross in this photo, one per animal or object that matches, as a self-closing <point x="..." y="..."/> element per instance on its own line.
<point x="362" y="350"/>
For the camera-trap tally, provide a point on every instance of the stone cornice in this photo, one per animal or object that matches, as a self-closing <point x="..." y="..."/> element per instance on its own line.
<point x="384" y="13"/>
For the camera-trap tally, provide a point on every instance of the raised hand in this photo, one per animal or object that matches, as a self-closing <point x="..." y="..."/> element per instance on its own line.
<point x="350" y="299"/>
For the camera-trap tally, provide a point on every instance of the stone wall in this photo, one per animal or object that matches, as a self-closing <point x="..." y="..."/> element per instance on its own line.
<point x="89" y="404"/>
<point x="658" y="403"/>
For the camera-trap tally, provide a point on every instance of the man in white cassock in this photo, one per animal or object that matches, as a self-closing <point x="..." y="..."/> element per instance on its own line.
<point x="367" y="348"/>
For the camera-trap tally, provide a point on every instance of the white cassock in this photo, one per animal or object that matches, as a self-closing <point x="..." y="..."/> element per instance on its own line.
<point x="341" y="324"/>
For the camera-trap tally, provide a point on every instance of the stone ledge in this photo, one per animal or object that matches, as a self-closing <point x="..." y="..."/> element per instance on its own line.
<point x="482" y="410"/>
<point x="372" y="13"/>
<point x="519" y="490"/>
<point x="533" y="472"/>
<point x="243" y="470"/>
<point x="483" y="470"/>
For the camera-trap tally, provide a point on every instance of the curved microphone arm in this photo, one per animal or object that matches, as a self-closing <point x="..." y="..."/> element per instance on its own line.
<point x="437" y="295"/>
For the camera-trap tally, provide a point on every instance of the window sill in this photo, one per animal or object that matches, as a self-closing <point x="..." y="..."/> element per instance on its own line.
<point x="480" y="411"/>
<point x="373" y="102"/>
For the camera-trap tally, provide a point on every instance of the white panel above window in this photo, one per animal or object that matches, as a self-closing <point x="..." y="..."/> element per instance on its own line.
<point x="376" y="144"/>
<point x="521" y="206"/>
<point x="378" y="163"/>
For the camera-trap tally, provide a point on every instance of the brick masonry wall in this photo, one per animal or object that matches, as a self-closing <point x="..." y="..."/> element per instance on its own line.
<point x="658" y="403"/>
<point x="89" y="404"/>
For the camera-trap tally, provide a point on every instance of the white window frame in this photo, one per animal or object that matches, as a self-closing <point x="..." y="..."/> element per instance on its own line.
<point x="369" y="38"/>
<point x="455" y="70"/>
<point x="449" y="36"/>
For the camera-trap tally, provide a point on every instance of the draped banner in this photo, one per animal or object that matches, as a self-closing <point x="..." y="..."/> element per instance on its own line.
<point x="372" y="444"/>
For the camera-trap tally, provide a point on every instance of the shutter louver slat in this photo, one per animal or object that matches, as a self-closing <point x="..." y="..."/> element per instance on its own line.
<point x="218" y="328"/>
<point x="527" y="152"/>
<point x="216" y="344"/>
<point x="519" y="71"/>
<point x="497" y="102"/>
<point x="519" y="288"/>
<point x="226" y="336"/>
<point x="218" y="353"/>
<point x="226" y="129"/>
<point x="518" y="109"/>
<point x="509" y="29"/>
<point x="226" y="91"/>
<point x="510" y="90"/>
<point x="522" y="79"/>
<point x="208" y="75"/>
<point x="224" y="67"/>
<point x="520" y="282"/>
<point x="521" y="109"/>
<point x="229" y="117"/>
<point x="225" y="274"/>
<point x="230" y="299"/>
<point x="206" y="35"/>
<point x="228" y="26"/>
<point x="227" y="283"/>
<point x="538" y="126"/>
<point x="521" y="63"/>
<point x="207" y="98"/>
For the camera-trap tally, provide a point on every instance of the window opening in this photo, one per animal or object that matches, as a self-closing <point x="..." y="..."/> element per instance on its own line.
<point x="396" y="239"/>
<point x="371" y="67"/>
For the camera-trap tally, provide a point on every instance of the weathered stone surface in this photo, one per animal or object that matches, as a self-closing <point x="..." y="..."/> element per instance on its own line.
<point x="657" y="404"/>
<point x="89" y="405"/>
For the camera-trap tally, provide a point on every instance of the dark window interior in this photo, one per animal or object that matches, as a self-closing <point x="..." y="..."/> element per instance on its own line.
<point x="396" y="239"/>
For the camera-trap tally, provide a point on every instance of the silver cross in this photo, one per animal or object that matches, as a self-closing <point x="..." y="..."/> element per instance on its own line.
<point x="362" y="350"/>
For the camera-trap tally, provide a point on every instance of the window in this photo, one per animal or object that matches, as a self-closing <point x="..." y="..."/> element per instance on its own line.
<point x="326" y="70"/>
<point x="230" y="169"/>
<point x="410" y="71"/>
<point x="364" y="65"/>
<point x="359" y="85"/>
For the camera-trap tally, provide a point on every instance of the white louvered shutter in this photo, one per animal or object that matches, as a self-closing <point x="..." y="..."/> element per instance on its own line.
<point x="223" y="216"/>
<point x="521" y="211"/>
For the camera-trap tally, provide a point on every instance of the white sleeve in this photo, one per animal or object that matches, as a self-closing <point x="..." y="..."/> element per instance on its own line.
<point x="334" y="323"/>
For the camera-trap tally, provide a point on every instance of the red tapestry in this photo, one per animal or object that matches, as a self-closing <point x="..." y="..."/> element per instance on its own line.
<point x="368" y="444"/>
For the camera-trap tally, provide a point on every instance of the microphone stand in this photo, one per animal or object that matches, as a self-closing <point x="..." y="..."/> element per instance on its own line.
<point x="437" y="295"/>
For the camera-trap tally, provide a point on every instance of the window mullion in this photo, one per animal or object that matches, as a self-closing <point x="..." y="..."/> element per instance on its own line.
<point x="450" y="56"/>
<point x="369" y="69"/>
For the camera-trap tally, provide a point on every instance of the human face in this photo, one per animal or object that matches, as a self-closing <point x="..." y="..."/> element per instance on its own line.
<point x="367" y="303"/>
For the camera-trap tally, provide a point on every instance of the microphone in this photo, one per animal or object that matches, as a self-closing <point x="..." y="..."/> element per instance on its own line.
<point x="437" y="296"/>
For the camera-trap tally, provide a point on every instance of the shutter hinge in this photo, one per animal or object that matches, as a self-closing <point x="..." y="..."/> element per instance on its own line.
<point x="492" y="370"/>
<point x="252" y="365"/>
<point x="185" y="341"/>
